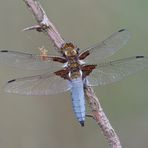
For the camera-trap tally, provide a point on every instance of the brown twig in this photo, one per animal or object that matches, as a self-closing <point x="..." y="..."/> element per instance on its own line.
<point x="101" y="119"/>
<point x="45" y="25"/>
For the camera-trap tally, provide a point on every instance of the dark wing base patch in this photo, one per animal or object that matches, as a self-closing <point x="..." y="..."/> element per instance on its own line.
<point x="87" y="69"/>
<point x="63" y="73"/>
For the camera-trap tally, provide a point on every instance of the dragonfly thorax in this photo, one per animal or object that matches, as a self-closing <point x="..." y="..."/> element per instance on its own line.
<point x="74" y="68"/>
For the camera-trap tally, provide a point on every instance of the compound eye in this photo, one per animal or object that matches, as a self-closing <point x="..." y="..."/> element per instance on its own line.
<point x="67" y="53"/>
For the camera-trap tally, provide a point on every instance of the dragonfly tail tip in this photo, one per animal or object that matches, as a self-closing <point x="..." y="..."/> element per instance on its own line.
<point x="82" y="123"/>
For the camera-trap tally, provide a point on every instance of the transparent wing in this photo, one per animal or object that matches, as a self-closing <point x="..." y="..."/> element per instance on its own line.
<point x="113" y="71"/>
<point x="45" y="84"/>
<point x="29" y="61"/>
<point x="106" y="48"/>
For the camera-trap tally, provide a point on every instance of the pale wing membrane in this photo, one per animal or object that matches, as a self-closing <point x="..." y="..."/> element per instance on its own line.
<point x="107" y="47"/>
<point x="46" y="84"/>
<point x="113" y="71"/>
<point x="28" y="61"/>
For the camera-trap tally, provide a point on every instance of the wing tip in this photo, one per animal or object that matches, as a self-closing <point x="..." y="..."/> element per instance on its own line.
<point x="3" y="50"/>
<point x="11" y="81"/>
<point x="139" y="57"/>
<point x="121" y="30"/>
<point x="125" y="33"/>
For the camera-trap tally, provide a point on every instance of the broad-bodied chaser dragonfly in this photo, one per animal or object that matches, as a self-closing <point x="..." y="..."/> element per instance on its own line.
<point x="73" y="70"/>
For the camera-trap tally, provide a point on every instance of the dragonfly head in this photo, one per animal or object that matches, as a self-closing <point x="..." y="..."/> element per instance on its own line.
<point x="69" y="50"/>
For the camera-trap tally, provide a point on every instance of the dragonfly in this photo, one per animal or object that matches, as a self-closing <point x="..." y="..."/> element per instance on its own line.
<point x="72" y="70"/>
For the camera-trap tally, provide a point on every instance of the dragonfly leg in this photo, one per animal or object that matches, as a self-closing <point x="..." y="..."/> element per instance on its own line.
<point x="89" y="115"/>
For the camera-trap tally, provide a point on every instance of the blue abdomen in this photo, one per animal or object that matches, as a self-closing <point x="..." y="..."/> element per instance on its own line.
<point x="78" y="99"/>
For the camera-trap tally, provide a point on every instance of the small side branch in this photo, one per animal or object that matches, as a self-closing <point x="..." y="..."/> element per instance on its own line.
<point x="44" y="24"/>
<point x="101" y="119"/>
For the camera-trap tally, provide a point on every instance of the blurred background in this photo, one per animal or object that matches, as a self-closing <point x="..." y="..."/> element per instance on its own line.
<point x="48" y="121"/>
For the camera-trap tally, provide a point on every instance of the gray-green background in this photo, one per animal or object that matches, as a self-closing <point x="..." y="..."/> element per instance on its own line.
<point x="48" y="121"/>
